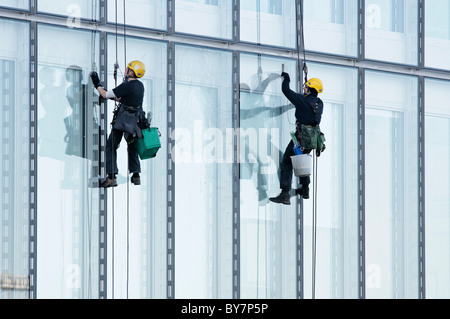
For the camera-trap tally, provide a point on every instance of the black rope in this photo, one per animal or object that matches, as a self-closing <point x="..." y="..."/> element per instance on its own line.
<point x="301" y="43"/>
<point x="314" y="225"/>
<point x="116" y="66"/>
<point x="128" y="175"/>
<point x="301" y="47"/>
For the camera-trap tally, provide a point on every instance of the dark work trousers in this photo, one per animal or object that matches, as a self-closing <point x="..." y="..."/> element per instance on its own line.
<point x="112" y="144"/>
<point x="286" y="169"/>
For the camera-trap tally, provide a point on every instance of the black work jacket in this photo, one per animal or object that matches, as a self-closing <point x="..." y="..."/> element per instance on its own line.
<point x="308" y="108"/>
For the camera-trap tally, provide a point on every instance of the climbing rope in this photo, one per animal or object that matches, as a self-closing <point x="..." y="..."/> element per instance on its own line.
<point x="116" y="67"/>
<point x="128" y="175"/>
<point x="90" y="193"/>
<point x="314" y="225"/>
<point x="301" y="47"/>
<point x="301" y="43"/>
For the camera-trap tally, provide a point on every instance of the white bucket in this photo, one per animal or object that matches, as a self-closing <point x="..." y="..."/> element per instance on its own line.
<point x="302" y="164"/>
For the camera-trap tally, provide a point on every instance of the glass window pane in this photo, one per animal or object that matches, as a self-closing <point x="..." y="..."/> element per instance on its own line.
<point x="75" y="9"/>
<point x="14" y="159"/>
<point x="391" y="186"/>
<point x="150" y="14"/>
<point x="17" y="4"/>
<point x="203" y="173"/>
<point x="68" y="164"/>
<point x="337" y="189"/>
<point x="146" y="204"/>
<point x="392" y="24"/>
<point x="437" y="34"/>
<point x="268" y="232"/>
<point x="206" y="18"/>
<point x="437" y="188"/>
<point x="268" y="22"/>
<point x="331" y="26"/>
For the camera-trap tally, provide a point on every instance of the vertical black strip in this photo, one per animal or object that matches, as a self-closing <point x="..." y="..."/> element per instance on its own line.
<point x="33" y="160"/>
<point x="361" y="156"/>
<point x="299" y="209"/>
<point x="421" y="154"/>
<point x="103" y="225"/>
<point x="362" y="30"/>
<point x="236" y="182"/>
<point x="236" y="21"/>
<point x="421" y="189"/>
<point x="170" y="173"/>
<point x="421" y="37"/>
<point x="299" y="249"/>
<point x="361" y="187"/>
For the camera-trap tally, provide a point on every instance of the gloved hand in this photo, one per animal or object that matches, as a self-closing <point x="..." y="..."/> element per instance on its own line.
<point x="286" y="76"/>
<point x="95" y="79"/>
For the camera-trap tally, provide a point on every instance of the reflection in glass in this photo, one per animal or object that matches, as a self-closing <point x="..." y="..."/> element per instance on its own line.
<point x="391" y="186"/>
<point x="331" y="26"/>
<point x="267" y="230"/>
<point x="75" y="9"/>
<point x="437" y="188"/>
<point x="437" y="34"/>
<point x="204" y="17"/>
<point x="68" y="141"/>
<point x="17" y="4"/>
<point x="14" y="160"/>
<point x="203" y="160"/>
<point x="392" y="24"/>
<point x="268" y="22"/>
<point x="150" y="14"/>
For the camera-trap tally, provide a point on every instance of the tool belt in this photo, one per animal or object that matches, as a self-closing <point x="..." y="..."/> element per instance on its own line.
<point x="311" y="137"/>
<point x="125" y="118"/>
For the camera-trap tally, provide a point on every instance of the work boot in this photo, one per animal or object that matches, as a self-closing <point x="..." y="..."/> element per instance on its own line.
<point x="303" y="192"/>
<point x="110" y="181"/>
<point x="283" y="198"/>
<point x="136" y="179"/>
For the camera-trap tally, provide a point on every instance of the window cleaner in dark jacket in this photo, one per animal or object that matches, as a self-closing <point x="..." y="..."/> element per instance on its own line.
<point x="308" y="111"/>
<point x="130" y="94"/>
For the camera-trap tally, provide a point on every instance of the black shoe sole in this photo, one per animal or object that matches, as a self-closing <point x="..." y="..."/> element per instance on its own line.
<point x="278" y="201"/>
<point x="109" y="186"/>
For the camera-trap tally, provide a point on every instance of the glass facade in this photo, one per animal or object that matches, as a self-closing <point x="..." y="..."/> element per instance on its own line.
<point x="203" y="178"/>
<point x="152" y="14"/>
<point x="437" y="187"/>
<point x="200" y="225"/>
<point x="268" y="22"/>
<point x="437" y="34"/>
<point x="208" y="18"/>
<point x="391" y="186"/>
<point x="15" y="166"/>
<point x="334" y="21"/>
<point x="74" y="10"/>
<point x="393" y="25"/>
<point x="67" y="162"/>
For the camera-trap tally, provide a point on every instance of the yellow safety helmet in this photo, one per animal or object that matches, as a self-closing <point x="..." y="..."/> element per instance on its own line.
<point x="138" y="67"/>
<point x="315" y="84"/>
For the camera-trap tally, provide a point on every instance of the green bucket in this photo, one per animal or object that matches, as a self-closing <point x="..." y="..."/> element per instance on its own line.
<point x="149" y="145"/>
